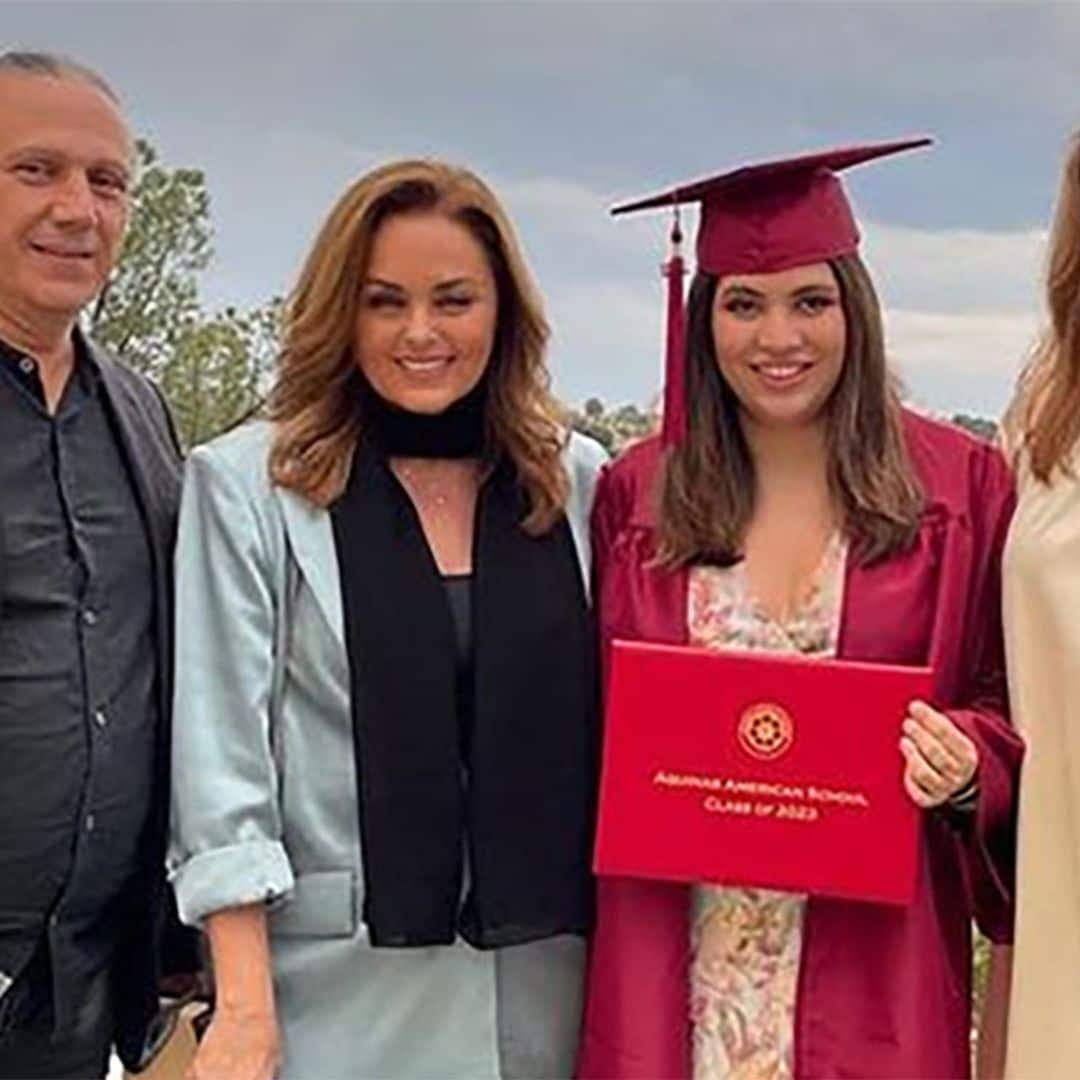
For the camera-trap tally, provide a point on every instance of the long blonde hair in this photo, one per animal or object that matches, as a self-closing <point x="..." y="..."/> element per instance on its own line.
<point x="1050" y="387"/>
<point x="315" y="403"/>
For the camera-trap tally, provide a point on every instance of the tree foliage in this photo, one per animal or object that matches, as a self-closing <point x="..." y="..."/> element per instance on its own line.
<point x="153" y="296"/>
<point x="977" y="425"/>
<point x="210" y="364"/>
<point x="625" y="424"/>
<point x="215" y="374"/>
<point x="617" y="429"/>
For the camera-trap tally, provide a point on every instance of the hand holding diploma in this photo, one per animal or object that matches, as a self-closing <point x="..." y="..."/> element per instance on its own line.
<point x="941" y="760"/>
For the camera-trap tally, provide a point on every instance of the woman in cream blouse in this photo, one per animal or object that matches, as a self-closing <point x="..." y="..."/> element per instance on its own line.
<point x="1042" y="629"/>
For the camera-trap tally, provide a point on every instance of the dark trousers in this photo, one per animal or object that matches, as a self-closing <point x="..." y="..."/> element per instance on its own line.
<point x="31" y="1051"/>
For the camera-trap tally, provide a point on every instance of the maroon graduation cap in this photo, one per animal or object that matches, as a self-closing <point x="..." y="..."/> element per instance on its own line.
<point x="758" y="219"/>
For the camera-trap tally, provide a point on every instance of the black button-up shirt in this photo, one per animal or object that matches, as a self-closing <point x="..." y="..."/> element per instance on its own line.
<point x="77" y="669"/>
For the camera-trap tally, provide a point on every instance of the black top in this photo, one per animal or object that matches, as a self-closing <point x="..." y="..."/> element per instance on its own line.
<point x="78" y="672"/>
<point x="499" y="778"/>
<point x="459" y="597"/>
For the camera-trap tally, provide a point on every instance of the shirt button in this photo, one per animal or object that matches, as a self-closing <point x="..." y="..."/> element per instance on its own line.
<point x="89" y="616"/>
<point x="90" y="823"/>
<point x="27" y="366"/>
<point x="100" y="718"/>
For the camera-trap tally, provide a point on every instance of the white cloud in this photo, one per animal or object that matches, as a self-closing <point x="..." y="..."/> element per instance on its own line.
<point x="607" y="341"/>
<point x="960" y="362"/>
<point x="957" y="270"/>
<point x="553" y="213"/>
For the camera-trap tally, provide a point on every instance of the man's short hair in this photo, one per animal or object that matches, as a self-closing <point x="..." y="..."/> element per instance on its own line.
<point x="54" y="66"/>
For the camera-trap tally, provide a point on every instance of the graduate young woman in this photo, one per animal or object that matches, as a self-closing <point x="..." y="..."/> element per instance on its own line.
<point x="793" y="504"/>
<point x="1042" y="636"/>
<point x="385" y="711"/>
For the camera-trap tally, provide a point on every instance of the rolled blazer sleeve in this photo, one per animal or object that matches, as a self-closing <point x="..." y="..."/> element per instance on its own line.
<point x="226" y="833"/>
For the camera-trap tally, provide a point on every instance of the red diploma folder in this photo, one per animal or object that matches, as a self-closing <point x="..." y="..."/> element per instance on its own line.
<point x="758" y="769"/>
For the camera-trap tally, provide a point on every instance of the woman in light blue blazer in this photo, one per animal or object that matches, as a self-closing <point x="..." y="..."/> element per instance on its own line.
<point x="385" y="725"/>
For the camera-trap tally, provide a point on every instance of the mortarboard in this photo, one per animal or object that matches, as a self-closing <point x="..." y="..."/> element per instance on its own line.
<point x="758" y="219"/>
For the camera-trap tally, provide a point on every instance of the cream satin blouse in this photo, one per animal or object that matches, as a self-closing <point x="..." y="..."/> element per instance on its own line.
<point x="1042" y="636"/>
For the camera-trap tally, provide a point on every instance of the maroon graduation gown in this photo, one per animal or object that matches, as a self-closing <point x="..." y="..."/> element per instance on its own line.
<point x="883" y="991"/>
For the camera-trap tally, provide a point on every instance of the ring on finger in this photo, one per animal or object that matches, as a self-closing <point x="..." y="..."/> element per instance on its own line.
<point x="931" y="783"/>
<point x="942" y="763"/>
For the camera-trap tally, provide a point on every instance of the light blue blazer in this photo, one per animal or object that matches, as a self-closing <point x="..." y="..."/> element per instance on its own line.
<point x="264" y="798"/>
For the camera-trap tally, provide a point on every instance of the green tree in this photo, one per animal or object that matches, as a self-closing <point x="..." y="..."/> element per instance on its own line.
<point x="593" y="408"/>
<point x="210" y="365"/>
<point x="977" y="425"/>
<point x="215" y="376"/>
<point x="154" y="297"/>
<point x="616" y="429"/>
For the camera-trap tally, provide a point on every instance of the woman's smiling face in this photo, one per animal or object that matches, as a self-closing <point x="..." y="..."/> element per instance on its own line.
<point x="780" y="341"/>
<point x="426" y="319"/>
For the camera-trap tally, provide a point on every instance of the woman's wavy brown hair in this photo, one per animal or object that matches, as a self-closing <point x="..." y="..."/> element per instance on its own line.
<point x="1049" y="417"/>
<point x="315" y="403"/>
<point x="707" y="490"/>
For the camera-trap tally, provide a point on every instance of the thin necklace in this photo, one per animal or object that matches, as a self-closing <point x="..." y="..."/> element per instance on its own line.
<point x="424" y="490"/>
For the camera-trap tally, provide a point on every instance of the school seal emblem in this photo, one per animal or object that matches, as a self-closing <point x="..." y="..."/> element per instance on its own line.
<point x="766" y="731"/>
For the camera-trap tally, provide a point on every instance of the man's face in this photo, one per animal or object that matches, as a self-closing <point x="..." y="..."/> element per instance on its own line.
<point x="65" y="162"/>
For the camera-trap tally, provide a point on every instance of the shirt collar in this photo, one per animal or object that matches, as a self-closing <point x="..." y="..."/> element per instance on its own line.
<point x="23" y="366"/>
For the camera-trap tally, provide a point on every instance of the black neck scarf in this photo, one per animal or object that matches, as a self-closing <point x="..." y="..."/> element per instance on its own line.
<point x="518" y="793"/>
<point x="457" y="432"/>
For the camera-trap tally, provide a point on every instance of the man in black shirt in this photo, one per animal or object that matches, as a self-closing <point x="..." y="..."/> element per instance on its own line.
<point x="89" y="478"/>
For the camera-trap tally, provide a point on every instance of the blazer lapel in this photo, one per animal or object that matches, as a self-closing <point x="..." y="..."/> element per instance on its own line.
<point x="311" y="538"/>
<point x="154" y="465"/>
<point x="153" y="461"/>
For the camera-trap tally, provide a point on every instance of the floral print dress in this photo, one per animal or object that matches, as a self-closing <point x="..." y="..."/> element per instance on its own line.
<point x="746" y="943"/>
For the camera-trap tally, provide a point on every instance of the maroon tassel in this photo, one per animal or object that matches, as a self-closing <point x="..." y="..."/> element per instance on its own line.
<point x="675" y="406"/>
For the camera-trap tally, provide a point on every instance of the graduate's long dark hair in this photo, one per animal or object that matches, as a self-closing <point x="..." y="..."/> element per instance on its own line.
<point x="709" y="484"/>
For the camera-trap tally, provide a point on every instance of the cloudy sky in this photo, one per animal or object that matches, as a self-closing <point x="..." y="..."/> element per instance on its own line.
<point x="566" y="107"/>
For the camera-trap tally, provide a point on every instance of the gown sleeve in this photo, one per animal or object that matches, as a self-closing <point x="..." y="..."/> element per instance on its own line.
<point x="989" y="838"/>
<point x="604" y="524"/>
